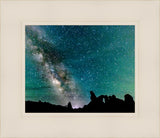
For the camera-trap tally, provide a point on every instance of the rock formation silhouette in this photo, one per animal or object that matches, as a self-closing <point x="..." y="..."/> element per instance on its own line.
<point x="70" y="106"/>
<point x="102" y="103"/>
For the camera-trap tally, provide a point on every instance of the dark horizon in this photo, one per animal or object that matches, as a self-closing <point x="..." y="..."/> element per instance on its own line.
<point x="102" y="103"/>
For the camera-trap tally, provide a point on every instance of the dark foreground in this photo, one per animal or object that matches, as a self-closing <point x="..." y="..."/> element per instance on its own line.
<point x="103" y="103"/>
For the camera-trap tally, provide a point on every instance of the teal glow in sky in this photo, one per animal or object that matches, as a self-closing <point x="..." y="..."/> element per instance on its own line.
<point x="64" y="63"/>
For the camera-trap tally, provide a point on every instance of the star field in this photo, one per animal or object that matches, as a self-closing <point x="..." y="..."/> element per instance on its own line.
<point x="64" y="63"/>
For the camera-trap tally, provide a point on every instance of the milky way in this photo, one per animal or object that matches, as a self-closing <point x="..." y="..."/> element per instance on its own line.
<point x="52" y="67"/>
<point x="63" y="63"/>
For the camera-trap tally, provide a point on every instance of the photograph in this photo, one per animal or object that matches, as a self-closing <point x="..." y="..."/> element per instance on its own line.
<point x="79" y="69"/>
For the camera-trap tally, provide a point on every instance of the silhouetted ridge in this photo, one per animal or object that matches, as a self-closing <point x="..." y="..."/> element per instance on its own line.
<point x="102" y="103"/>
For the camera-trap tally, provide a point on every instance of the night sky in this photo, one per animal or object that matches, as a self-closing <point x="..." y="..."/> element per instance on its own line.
<point x="64" y="63"/>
